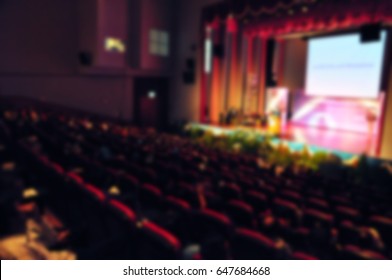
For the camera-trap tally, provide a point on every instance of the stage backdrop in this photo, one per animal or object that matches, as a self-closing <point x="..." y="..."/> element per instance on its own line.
<point x="355" y="115"/>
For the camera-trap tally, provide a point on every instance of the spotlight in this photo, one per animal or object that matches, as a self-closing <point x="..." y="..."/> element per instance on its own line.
<point x="152" y="94"/>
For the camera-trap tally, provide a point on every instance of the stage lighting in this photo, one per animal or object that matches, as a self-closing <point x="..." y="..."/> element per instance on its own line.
<point x="152" y="94"/>
<point x="114" y="45"/>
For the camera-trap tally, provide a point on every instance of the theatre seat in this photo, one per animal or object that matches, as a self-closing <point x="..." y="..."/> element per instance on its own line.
<point x="246" y="183"/>
<point x="207" y="223"/>
<point x="241" y="213"/>
<point x="177" y="204"/>
<point x="156" y="243"/>
<point x="287" y="209"/>
<point x="150" y="195"/>
<point x="95" y="192"/>
<point x="230" y="191"/>
<point x="349" y="233"/>
<point x="267" y="189"/>
<point x="314" y="217"/>
<point x="303" y="256"/>
<point x="135" y="169"/>
<point x="351" y="252"/>
<point x="129" y="181"/>
<point x="150" y="176"/>
<point x="75" y="177"/>
<point x="132" y="207"/>
<point x="214" y="200"/>
<point x="171" y="169"/>
<point x="175" y="213"/>
<point x="347" y="213"/>
<point x="190" y="176"/>
<point x="252" y="245"/>
<point x="257" y="200"/>
<point x="299" y="238"/>
<point x="124" y="210"/>
<point x="119" y="222"/>
<point x="316" y="193"/>
<point x="291" y="196"/>
<point x="187" y="191"/>
<point x="384" y="226"/>
<point x="317" y="203"/>
<point x="340" y="201"/>
<point x="58" y="168"/>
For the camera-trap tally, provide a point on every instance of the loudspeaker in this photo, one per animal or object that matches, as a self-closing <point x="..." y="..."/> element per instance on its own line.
<point x="269" y="73"/>
<point x="218" y="50"/>
<point x="190" y="64"/>
<point x="86" y="58"/>
<point x="370" y="32"/>
<point x="188" y="77"/>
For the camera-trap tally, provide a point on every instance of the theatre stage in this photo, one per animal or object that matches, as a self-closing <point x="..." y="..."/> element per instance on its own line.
<point x="343" y="143"/>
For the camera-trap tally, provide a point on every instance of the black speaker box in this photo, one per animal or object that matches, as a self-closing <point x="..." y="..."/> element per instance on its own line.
<point x="188" y="77"/>
<point x="190" y="64"/>
<point x="370" y="32"/>
<point x="86" y="58"/>
<point x="218" y="50"/>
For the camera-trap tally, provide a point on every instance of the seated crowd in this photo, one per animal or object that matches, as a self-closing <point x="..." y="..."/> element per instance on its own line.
<point x="103" y="190"/>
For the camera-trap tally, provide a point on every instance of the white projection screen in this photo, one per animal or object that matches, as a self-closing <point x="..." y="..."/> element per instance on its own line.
<point x="343" y="66"/>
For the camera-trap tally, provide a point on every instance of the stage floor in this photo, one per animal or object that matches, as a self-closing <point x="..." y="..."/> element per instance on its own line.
<point x="337" y="140"/>
<point x="343" y="143"/>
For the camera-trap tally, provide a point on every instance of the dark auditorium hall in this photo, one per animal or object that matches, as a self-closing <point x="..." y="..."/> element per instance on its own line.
<point x="195" y="130"/>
